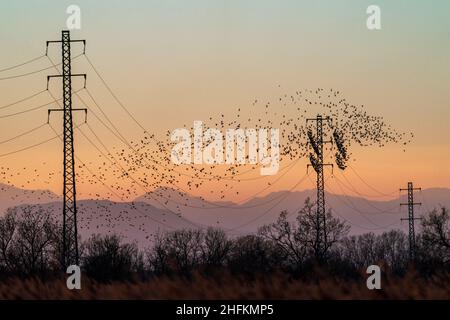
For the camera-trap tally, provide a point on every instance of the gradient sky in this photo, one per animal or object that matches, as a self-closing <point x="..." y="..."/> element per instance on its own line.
<point x="173" y="62"/>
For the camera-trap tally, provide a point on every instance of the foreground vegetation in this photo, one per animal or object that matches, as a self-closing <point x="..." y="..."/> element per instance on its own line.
<point x="227" y="286"/>
<point x="283" y="260"/>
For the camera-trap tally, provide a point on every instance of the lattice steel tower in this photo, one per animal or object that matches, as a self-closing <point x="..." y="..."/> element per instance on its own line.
<point x="411" y="219"/>
<point x="316" y="160"/>
<point x="70" y="254"/>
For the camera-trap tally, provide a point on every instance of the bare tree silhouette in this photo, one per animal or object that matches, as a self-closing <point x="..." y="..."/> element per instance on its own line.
<point x="436" y="234"/>
<point x="28" y="238"/>
<point x="300" y="240"/>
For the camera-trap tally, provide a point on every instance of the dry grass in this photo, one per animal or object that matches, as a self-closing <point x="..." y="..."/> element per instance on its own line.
<point x="229" y="287"/>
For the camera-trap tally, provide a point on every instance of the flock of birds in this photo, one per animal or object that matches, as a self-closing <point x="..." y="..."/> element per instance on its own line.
<point x="149" y="158"/>
<point x="144" y="166"/>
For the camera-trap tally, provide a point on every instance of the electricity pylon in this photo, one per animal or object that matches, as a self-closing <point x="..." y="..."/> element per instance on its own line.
<point x="411" y="219"/>
<point x="70" y="254"/>
<point x="316" y="160"/>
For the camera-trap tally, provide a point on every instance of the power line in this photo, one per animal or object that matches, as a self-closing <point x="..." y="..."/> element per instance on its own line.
<point x="114" y="96"/>
<point x="22" y="100"/>
<point x="360" y="226"/>
<point x="33" y="72"/>
<point x="287" y="215"/>
<point x="29" y="147"/>
<point x="368" y="185"/>
<point x="26" y="111"/>
<point x="289" y="167"/>
<point x="23" y="134"/>
<point x="353" y="189"/>
<point x="31" y="109"/>
<point x="352" y="206"/>
<point x="271" y="208"/>
<point x="107" y="118"/>
<point x="380" y="211"/>
<point x="23" y="63"/>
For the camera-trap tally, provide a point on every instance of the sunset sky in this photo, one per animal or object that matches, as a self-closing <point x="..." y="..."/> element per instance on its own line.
<point x="173" y="62"/>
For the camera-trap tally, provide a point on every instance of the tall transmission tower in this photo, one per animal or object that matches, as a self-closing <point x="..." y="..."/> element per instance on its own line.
<point x="411" y="219"/>
<point x="316" y="160"/>
<point x="70" y="254"/>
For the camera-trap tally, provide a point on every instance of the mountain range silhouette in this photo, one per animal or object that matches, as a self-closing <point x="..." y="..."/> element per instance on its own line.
<point x="144" y="217"/>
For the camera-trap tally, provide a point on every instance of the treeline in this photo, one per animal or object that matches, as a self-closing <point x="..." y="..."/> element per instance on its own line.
<point x="30" y="246"/>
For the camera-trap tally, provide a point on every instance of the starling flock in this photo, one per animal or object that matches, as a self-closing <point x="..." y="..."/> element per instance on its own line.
<point x="144" y="166"/>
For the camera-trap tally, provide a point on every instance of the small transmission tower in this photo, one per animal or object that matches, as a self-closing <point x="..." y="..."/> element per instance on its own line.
<point x="70" y="232"/>
<point x="411" y="219"/>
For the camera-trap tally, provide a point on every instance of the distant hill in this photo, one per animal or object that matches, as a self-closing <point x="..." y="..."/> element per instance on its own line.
<point x="136" y="221"/>
<point x="362" y="214"/>
<point x="167" y="209"/>
<point x="11" y="196"/>
<point x="176" y="200"/>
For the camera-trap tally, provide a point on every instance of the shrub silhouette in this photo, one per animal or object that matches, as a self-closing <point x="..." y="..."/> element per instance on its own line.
<point x="105" y="258"/>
